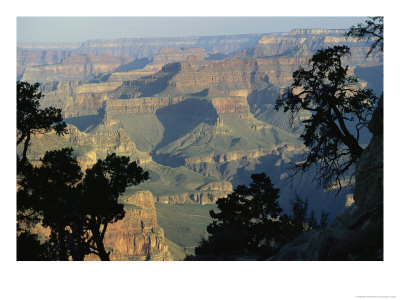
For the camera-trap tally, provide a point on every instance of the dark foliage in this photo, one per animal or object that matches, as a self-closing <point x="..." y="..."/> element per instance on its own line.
<point x="31" y="118"/>
<point x="249" y="222"/>
<point x="371" y="30"/>
<point x="101" y="187"/>
<point x="337" y="107"/>
<point x="26" y="216"/>
<point x="302" y="220"/>
<point x="57" y="196"/>
<point x="30" y="248"/>
<point x="78" y="210"/>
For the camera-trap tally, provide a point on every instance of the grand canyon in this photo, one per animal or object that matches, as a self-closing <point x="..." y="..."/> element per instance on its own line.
<point x="197" y="113"/>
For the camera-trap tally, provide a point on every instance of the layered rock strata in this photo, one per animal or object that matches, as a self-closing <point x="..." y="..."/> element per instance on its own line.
<point x="169" y="55"/>
<point x="34" y="55"/>
<point x="137" y="236"/>
<point x="76" y="99"/>
<point x="312" y="40"/>
<point x="73" y="68"/>
<point x="148" y="47"/>
<point x="205" y="194"/>
<point x="88" y="147"/>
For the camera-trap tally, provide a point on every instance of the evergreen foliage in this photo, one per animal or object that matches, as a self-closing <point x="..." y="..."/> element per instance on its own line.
<point x="371" y="30"/>
<point x="339" y="109"/>
<point x="31" y="119"/>
<point x="250" y="222"/>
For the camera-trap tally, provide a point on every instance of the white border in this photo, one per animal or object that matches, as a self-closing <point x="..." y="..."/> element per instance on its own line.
<point x="182" y="280"/>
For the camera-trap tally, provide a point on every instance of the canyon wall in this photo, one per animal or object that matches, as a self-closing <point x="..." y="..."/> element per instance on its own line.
<point x="137" y="236"/>
<point x="169" y="55"/>
<point x="148" y="47"/>
<point x="73" y="68"/>
<point x="312" y="40"/>
<point x="37" y="59"/>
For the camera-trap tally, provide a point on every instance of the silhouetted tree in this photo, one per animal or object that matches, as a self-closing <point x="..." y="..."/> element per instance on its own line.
<point x="31" y="118"/>
<point x="299" y="214"/>
<point x="77" y="209"/>
<point x="303" y="220"/>
<point x="337" y="107"/>
<point x="26" y="215"/>
<point x="371" y="30"/>
<point x="101" y="187"/>
<point x="30" y="248"/>
<point x="56" y="195"/>
<point x="249" y="221"/>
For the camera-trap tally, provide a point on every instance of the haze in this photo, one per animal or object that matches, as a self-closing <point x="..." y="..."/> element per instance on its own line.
<point x="80" y="29"/>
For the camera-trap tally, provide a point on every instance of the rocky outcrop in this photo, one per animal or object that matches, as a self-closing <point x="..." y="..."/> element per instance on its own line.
<point x="310" y="40"/>
<point x="216" y="186"/>
<point x="238" y="73"/>
<point x="77" y="99"/>
<point x="28" y="58"/>
<point x="137" y="236"/>
<point x="36" y="54"/>
<point x="231" y="105"/>
<point x="318" y="31"/>
<point x="88" y="147"/>
<point x="148" y="47"/>
<point x="201" y="197"/>
<point x="73" y="68"/>
<point x="357" y="234"/>
<point x="241" y="154"/>
<point x="145" y="105"/>
<point x="169" y="55"/>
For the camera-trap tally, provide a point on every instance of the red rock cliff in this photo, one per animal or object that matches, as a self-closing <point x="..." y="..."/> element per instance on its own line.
<point x="137" y="236"/>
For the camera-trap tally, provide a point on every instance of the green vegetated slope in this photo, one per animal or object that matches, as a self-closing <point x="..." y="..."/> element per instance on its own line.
<point x="185" y="224"/>
<point x="234" y="135"/>
<point x="145" y="129"/>
<point x="168" y="181"/>
<point x="178" y="253"/>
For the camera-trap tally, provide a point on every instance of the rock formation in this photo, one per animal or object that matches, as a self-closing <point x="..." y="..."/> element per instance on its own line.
<point x="310" y="41"/>
<point x="73" y="68"/>
<point x="50" y="56"/>
<point x="148" y="47"/>
<point x="169" y="55"/>
<point x="137" y="236"/>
